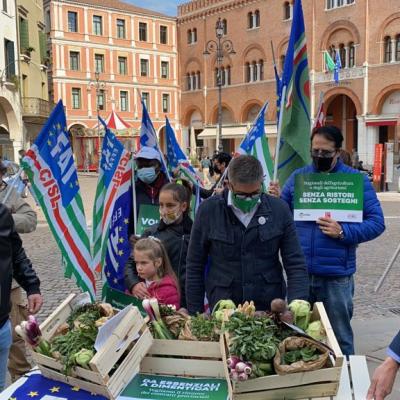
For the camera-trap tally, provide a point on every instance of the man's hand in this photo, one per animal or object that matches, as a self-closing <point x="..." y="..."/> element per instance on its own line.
<point x="35" y="302"/>
<point x="274" y="189"/>
<point x="140" y="291"/>
<point x="383" y="379"/>
<point x="329" y="227"/>
<point x="218" y="190"/>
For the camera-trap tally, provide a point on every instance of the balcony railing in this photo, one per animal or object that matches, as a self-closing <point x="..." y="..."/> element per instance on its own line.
<point x="36" y="107"/>
<point x="344" y="74"/>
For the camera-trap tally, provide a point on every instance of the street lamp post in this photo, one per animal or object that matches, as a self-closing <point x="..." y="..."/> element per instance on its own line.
<point x="220" y="47"/>
<point x="98" y="85"/>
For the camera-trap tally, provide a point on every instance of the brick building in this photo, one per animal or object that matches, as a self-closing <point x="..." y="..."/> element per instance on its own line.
<point x="365" y="103"/>
<point x="134" y="51"/>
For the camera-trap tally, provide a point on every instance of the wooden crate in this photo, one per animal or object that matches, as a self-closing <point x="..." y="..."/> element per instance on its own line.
<point x="131" y="339"/>
<point x="185" y="358"/>
<point x="320" y="383"/>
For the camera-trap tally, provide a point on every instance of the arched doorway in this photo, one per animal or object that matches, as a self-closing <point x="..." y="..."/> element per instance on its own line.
<point x="6" y="149"/>
<point x="342" y="112"/>
<point x="85" y="148"/>
<point x="10" y="130"/>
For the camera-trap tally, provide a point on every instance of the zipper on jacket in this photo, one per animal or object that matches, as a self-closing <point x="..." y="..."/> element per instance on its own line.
<point x="180" y="258"/>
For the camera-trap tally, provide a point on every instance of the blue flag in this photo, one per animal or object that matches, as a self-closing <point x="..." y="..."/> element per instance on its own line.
<point x="36" y="386"/>
<point x="148" y="136"/>
<point x="175" y="155"/>
<point x="338" y="67"/>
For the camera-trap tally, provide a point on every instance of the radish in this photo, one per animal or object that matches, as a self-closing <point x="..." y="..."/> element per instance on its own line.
<point x="232" y="361"/>
<point x="243" y="376"/>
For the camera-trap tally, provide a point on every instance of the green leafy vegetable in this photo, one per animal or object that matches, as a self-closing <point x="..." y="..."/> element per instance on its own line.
<point x="304" y="354"/>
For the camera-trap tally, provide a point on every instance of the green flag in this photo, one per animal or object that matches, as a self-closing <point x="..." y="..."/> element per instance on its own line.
<point x="294" y="151"/>
<point x="329" y="63"/>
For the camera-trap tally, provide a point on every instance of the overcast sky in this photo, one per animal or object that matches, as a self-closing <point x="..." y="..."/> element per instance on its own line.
<point x="168" y="7"/>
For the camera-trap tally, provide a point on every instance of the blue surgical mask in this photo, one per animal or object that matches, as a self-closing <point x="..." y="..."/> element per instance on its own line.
<point x="147" y="175"/>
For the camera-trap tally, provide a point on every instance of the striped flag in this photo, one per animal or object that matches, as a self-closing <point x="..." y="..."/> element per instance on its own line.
<point x="294" y="150"/>
<point x="115" y="169"/>
<point x="255" y="143"/>
<point x="329" y="63"/>
<point x="50" y="167"/>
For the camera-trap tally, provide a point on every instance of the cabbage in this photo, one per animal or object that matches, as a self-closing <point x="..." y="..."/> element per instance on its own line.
<point x="316" y="331"/>
<point x="301" y="310"/>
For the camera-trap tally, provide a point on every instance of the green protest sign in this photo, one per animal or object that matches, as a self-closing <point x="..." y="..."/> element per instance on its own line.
<point x="120" y="300"/>
<point x="338" y="196"/>
<point x="149" y="215"/>
<point x="158" y="387"/>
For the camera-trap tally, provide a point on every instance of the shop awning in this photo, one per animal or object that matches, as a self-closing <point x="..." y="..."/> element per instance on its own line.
<point x="233" y="132"/>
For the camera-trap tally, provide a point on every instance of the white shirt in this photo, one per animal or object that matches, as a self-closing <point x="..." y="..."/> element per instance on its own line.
<point x="243" y="217"/>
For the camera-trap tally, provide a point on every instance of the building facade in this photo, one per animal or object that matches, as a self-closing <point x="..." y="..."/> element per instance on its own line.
<point x="365" y="103"/>
<point x="33" y="67"/>
<point x="11" y="139"/>
<point x="134" y="53"/>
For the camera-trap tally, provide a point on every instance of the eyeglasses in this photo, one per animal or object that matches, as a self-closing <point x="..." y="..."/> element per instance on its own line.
<point x="322" y="153"/>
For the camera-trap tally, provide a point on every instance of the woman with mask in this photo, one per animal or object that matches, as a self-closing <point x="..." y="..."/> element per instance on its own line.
<point x="149" y="177"/>
<point x="330" y="246"/>
<point x="174" y="232"/>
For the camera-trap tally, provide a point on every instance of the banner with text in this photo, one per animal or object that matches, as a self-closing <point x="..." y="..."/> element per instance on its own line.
<point x="158" y="387"/>
<point x="338" y="196"/>
<point x="149" y="215"/>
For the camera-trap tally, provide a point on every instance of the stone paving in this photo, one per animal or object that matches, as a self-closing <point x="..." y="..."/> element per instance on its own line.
<point x="372" y="259"/>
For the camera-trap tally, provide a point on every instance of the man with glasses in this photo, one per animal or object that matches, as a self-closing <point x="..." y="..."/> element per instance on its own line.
<point x="240" y="235"/>
<point x="330" y="246"/>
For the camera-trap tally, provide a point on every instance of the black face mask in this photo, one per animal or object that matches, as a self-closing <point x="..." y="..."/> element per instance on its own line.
<point x="217" y="170"/>
<point x="323" y="164"/>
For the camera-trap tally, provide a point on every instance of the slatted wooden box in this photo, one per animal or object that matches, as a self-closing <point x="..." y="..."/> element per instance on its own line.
<point x="320" y="383"/>
<point x="185" y="358"/>
<point x="127" y="345"/>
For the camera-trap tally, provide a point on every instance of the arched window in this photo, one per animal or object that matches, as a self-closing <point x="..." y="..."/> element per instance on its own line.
<point x="340" y="3"/>
<point x="342" y="55"/>
<point x="387" y="49"/>
<point x="189" y="36"/>
<point x="332" y="52"/>
<point x="398" y="47"/>
<point x="216" y="77"/>
<point x="198" y="80"/>
<point x="330" y="4"/>
<point x="188" y="82"/>
<point x="225" y="26"/>
<point x="228" y="75"/>
<point x="250" y="20"/>
<point x="257" y="18"/>
<point x="194" y="35"/>
<point x="282" y="61"/>
<point x="352" y="55"/>
<point x="255" y="74"/>
<point x="261" y="64"/>
<point x="247" y="72"/>
<point x="286" y="10"/>
<point x="222" y="74"/>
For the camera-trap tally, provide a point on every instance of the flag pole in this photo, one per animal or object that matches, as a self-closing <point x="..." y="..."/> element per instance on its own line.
<point x="134" y="197"/>
<point x="321" y="100"/>
<point x="278" y="139"/>
<point x="273" y="55"/>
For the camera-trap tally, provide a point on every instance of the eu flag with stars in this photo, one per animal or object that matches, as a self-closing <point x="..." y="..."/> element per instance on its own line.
<point x="36" y="387"/>
<point x="118" y="247"/>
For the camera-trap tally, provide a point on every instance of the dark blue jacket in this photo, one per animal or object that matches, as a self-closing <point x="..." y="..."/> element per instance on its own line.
<point x="326" y="256"/>
<point x="394" y="348"/>
<point x="244" y="262"/>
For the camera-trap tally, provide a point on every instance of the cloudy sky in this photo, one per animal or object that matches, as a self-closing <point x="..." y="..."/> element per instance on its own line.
<point x="163" y="6"/>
